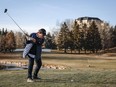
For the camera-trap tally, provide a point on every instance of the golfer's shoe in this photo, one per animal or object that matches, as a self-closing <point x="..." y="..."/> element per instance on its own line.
<point x="37" y="78"/>
<point x="30" y="80"/>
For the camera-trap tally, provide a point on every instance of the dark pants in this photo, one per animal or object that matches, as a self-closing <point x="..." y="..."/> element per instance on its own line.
<point x="37" y="68"/>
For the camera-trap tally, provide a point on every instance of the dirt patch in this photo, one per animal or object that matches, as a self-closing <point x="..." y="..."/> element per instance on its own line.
<point x="63" y="61"/>
<point x="24" y="65"/>
<point x="52" y="66"/>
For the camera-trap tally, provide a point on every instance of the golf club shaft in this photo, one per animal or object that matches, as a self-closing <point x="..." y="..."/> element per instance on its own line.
<point x="16" y="24"/>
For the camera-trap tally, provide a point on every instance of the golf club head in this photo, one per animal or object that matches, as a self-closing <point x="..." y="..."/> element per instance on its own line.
<point x="5" y="10"/>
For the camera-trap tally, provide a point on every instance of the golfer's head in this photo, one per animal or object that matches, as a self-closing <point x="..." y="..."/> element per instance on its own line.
<point x="41" y="33"/>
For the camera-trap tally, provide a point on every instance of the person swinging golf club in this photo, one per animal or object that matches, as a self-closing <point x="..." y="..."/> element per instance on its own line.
<point x="33" y="50"/>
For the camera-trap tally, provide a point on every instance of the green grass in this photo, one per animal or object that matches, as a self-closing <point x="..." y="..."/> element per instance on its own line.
<point x="101" y="72"/>
<point x="61" y="78"/>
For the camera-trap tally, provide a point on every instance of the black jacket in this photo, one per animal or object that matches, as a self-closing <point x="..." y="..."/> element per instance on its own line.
<point x="36" y="48"/>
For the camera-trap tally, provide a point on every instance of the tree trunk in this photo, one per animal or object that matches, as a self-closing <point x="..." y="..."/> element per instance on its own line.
<point x="79" y="51"/>
<point x="93" y="51"/>
<point x="85" y="51"/>
<point x="71" y="51"/>
<point x="65" y="50"/>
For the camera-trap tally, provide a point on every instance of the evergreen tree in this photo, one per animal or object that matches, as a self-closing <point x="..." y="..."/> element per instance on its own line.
<point x="0" y="39"/>
<point x="71" y="41"/>
<point x="63" y="38"/>
<point x="93" y="38"/>
<point x="84" y="43"/>
<point x="0" y="32"/>
<point x="5" y="32"/>
<point x="59" y="41"/>
<point x="10" y="41"/>
<point x="48" y="41"/>
<point x="3" y="43"/>
<point x="81" y="39"/>
<point x="76" y="36"/>
<point x="106" y="36"/>
<point x="114" y="37"/>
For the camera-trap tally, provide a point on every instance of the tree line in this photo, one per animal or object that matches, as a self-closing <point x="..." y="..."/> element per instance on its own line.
<point x="83" y="38"/>
<point x="10" y="40"/>
<point x="71" y="37"/>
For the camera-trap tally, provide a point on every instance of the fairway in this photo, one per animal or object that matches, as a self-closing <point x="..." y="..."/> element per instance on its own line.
<point x="81" y="71"/>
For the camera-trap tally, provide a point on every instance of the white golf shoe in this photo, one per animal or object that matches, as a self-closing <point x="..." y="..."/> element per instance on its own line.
<point x="30" y="80"/>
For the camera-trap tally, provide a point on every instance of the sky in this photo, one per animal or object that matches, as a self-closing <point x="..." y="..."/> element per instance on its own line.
<point x="31" y="15"/>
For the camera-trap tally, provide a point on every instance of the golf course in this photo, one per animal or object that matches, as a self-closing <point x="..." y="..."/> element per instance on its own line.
<point x="62" y="70"/>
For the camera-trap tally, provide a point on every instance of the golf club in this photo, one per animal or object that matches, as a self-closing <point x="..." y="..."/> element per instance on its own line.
<point x="27" y="36"/>
<point x="6" y="11"/>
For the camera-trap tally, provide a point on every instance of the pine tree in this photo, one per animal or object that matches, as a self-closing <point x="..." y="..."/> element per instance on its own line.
<point x="93" y="38"/>
<point x="105" y="36"/>
<point x="114" y="37"/>
<point x="84" y="43"/>
<point x="10" y="41"/>
<point x="63" y="38"/>
<point x="81" y="39"/>
<point x="5" y="32"/>
<point x="0" y="39"/>
<point x="76" y="36"/>
<point x="0" y="32"/>
<point x="71" y="41"/>
<point x="48" y="41"/>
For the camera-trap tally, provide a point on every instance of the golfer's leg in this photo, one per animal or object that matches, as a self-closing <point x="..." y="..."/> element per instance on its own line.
<point x="30" y="67"/>
<point x="38" y="66"/>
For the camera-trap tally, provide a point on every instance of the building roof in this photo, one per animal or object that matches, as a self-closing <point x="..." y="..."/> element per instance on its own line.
<point x="89" y="18"/>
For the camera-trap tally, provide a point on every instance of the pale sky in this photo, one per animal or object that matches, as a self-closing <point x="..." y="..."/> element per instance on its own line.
<point x="32" y="15"/>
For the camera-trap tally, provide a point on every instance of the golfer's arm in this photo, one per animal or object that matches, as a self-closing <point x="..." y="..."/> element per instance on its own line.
<point x="31" y="38"/>
<point x="39" y="41"/>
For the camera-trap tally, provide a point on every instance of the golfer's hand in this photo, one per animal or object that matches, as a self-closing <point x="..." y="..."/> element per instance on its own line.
<point x="34" y="40"/>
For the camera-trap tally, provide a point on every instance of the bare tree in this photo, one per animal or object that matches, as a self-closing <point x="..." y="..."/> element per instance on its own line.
<point x="20" y="39"/>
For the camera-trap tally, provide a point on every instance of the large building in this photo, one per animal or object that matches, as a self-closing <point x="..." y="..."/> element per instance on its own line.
<point x="88" y="20"/>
